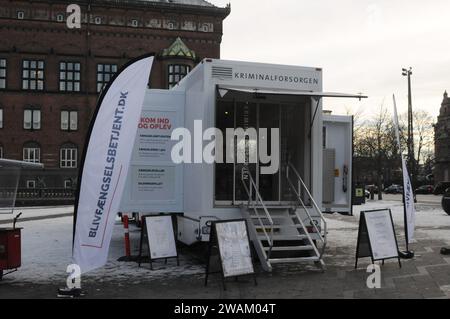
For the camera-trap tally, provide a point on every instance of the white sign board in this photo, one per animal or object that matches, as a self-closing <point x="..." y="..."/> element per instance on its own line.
<point x="234" y="247"/>
<point x="154" y="182"/>
<point x="161" y="238"/>
<point x="381" y="234"/>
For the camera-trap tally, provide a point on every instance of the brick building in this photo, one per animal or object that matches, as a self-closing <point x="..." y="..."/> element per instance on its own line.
<point x="51" y="76"/>
<point x="442" y="142"/>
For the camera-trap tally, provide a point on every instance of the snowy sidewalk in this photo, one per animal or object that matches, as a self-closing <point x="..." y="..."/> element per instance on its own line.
<point x="35" y="213"/>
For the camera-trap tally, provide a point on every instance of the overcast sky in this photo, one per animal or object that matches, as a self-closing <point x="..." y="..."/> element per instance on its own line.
<point x="361" y="45"/>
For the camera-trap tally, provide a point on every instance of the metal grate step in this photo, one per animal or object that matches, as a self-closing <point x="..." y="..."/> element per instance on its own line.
<point x="293" y="260"/>
<point x="290" y="248"/>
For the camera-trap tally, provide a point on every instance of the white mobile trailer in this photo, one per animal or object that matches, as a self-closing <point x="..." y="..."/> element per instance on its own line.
<point x="231" y="94"/>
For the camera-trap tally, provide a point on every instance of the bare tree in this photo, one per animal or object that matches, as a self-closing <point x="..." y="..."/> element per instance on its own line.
<point x="423" y="137"/>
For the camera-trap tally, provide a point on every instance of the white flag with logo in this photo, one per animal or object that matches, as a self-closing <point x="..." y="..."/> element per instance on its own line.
<point x="408" y="190"/>
<point x="106" y="163"/>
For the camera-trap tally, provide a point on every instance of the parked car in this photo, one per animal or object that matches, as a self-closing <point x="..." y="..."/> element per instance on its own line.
<point x="424" y="189"/>
<point x="440" y="188"/>
<point x="394" y="189"/>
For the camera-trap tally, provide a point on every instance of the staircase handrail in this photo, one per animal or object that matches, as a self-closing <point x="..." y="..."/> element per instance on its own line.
<point x="301" y="183"/>
<point x="261" y="203"/>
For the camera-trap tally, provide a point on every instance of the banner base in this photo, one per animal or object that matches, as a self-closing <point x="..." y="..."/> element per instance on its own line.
<point x="406" y="254"/>
<point x="70" y="293"/>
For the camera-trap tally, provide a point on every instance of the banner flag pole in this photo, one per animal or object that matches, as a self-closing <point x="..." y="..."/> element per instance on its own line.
<point x="408" y="196"/>
<point x="105" y="162"/>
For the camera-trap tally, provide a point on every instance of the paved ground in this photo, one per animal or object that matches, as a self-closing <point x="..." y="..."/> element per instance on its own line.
<point x="428" y="276"/>
<point x="425" y="276"/>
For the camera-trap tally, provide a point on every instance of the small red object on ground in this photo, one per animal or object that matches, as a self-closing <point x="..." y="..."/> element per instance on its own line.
<point x="10" y="249"/>
<point x="127" y="236"/>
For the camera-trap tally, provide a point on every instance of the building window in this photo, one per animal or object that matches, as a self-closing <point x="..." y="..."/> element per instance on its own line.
<point x="176" y="73"/>
<point x="20" y="15"/>
<point x="33" y="75"/>
<point x="98" y="20"/>
<point x="134" y="23"/>
<point x="2" y="73"/>
<point x="1" y="118"/>
<point x="69" y="76"/>
<point x="31" y="183"/>
<point x="1" y="151"/>
<point x="105" y="72"/>
<point x="69" y="120"/>
<point x="32" y="119"/>
<point x="68" y="156"/>
<point x="32" y="153"/>
<point x="60" y="17"/>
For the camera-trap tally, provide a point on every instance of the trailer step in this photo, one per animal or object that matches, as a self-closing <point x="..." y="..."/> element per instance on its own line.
<point x="294" y="260"/>
<point x="282" y="233"/>
<point x="290" y="248"/>
<point x="278" y="226"/>
<point x="283" y="237"/>
<point x="272" y="207"/>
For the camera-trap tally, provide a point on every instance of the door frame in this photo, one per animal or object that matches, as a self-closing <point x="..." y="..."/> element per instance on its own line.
<point x="234" y="202"/>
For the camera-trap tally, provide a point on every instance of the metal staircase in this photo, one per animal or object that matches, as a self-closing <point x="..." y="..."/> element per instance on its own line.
<point x="284" y="234"/>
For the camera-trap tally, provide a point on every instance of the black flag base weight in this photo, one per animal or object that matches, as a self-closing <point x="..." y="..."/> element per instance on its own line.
<point x="70" y="293"/>
<point x="408" y="254"/>
<point x="445" y="251"/>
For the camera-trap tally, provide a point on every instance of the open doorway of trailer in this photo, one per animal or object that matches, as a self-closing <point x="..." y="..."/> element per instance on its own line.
<point x="292" y="116"/>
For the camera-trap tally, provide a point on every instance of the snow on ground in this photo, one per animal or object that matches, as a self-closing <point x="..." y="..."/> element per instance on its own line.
<point x="47" y="247"/>
<point x="431" y="222"/>
<point x="46" y="244"/>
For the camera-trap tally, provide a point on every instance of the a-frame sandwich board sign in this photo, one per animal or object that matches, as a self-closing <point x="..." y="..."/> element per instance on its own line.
<point x="376" y="236"/>
<point x="158" y="233"/>
<point x="230" y="243"/>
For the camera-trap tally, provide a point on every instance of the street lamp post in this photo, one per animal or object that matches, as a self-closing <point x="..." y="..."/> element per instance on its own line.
<point x="411" y="160"/>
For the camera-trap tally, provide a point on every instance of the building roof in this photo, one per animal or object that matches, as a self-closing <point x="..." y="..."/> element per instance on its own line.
<point x="191" y="6"/>
<point x="196" y="6"/>
<point x="201" y="3"/>
<point x="187" y="2"/>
